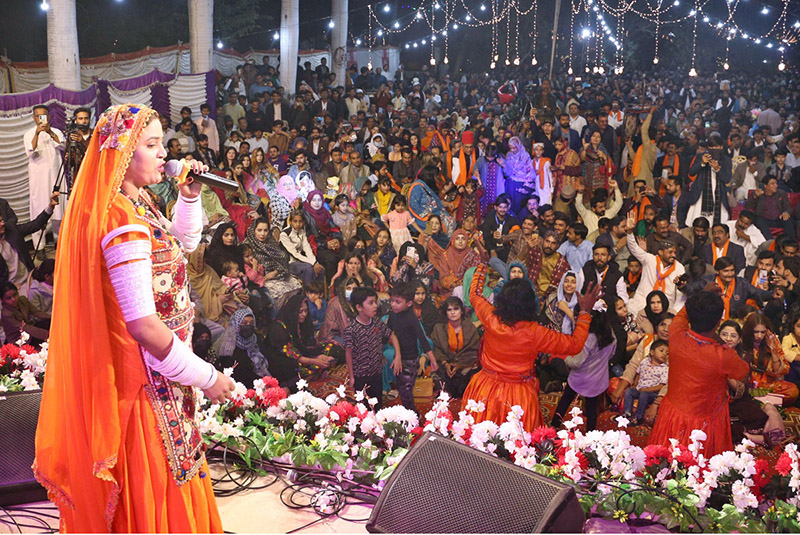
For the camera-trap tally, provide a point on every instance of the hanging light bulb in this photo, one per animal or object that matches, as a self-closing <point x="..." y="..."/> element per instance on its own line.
<point x="594" y="69"/>
<point x="726" y="66"/>
<point x="369" y="65"/>
<point x="492" y="65"/>
<point x="483" y="7"/>
<point x="588" y="70"/>
<point x="602" y="70"/>
<point x="569" y="71"/>
<point x="331" y="24"/>
<point x="516" y="60"/>
<point x="358" y="43"/>
<point x="407" y="45"/>
<point x="508" y="62"/>
<point x="396" y="25"/>
<point x="44" y="5"/>
<point x="446" y="60"/>
<point x="496" y="57"/>
<point x="692" y="72"/>
<point x="219" y="44"/>
<point x="534" y="61"/>
<point x="276" y="36"/>
<point x="781" y="66"/>
<point x="433" y="61"/>
<point x="655" y="61"/>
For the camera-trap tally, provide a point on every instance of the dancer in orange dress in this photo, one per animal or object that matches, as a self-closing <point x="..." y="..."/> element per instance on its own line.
<point x="511" y="342"/>
<point x="117" y="446"/>
<point x="699" y="368"/>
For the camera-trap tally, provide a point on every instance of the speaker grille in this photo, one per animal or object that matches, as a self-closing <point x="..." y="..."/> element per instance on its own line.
<point x="445" y="487"/>
<point x="19" y="413"/>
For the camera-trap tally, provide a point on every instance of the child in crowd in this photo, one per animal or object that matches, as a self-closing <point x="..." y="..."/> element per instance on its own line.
<point x="252" y="269"/>
<point x="589" y="373"/>
<point x="404" y="323"/>
<point x="470" y="204"/>
<point x="650" y="379"/>
<point x="317" y="304"/>
<point x="343" y="216"/>
<point x="399" y="219"/>
<point x="233" y="277"/>
<point x="632" y="275"/>
<point x="364" y="339"/>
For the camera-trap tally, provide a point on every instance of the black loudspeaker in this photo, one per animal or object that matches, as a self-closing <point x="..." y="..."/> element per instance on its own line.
<point x="19" y="413"/>
<point x="442" y="486"/>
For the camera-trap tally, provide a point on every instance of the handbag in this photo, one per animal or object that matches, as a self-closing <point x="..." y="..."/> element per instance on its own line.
<point x="423" y="386"/>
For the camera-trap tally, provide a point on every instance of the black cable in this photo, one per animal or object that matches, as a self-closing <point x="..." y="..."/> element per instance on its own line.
<point x="19" y="520"/>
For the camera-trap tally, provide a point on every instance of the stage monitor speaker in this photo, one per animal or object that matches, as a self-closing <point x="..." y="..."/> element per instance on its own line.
<point x="19" y="413"/>
<point x="442" y="486"/>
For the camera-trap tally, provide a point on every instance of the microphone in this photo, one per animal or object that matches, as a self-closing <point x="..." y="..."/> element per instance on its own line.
<point x="182" y="172"/>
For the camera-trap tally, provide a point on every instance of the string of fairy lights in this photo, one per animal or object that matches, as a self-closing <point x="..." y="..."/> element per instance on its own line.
<point x="440" y="17"/>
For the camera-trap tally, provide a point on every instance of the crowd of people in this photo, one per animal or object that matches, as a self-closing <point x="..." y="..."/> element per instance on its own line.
<point x="523" y="236"/>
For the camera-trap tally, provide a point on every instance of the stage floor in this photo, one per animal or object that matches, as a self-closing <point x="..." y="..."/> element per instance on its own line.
<point x="251" y="511"/>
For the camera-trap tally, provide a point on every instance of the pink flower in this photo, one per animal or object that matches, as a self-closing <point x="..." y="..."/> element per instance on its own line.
<point x="270" y="382"/>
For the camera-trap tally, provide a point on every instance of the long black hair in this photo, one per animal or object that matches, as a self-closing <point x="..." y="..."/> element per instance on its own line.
<point x="602" y="328"/>
<point x="516" y="302"/>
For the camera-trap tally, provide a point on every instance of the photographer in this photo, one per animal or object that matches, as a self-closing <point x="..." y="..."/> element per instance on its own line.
<point x="78" y="137"/>
<point x="43" y="145"/>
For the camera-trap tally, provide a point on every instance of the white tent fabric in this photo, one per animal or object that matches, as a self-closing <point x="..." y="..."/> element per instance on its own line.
<point x="141" y="96"/>
<point x="33" y="76"/>
<point x="14" y="163"/>
<point x="186" y="91"/>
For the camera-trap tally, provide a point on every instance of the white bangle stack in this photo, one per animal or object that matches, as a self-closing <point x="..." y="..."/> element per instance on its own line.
<point x="183" y="366"/>
<point x="187" y="222"/>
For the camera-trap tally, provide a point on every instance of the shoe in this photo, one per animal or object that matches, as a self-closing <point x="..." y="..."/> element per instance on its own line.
<point x="392" y="394"/>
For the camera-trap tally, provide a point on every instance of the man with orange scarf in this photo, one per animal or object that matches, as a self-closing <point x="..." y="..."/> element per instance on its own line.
<point x="659" y="271"/>
<point x="463" y="162"/>
<point x="117" y="447"/>
<point x="736" y="291"/>
<point x="722" y="246"/>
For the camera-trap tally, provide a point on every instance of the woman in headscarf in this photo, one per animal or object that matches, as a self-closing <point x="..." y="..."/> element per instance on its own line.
<point x="516" y="270"/>
<point x="424" y="202"/>
<point x="278" y="279"/>
<point x="512" y="339"/>
<point x="105" y="449"/>
<point x="455" y="345"/>
<point x="452" y="262"/>
<point x="224" y="247"/>
<point x="279" y="205"/>
<point x="327" y="236"/>
<point x="650" y="316"/>
<point x="375" y="146"/>
<point x="597" y="165"/>
<point x="382" y="252"/>
<point x="519" y="170"/>
<point x="559" y="308"/>
<point x="206" y="282"/>
<point x="238" y="348"/>
<point x="293" y="349"/>
<point x="412" y="263"/>
<point x="339" y="313"/>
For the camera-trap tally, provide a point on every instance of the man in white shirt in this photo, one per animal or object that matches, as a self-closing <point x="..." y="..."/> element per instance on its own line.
<point x="43" y="145"/>
<point x="659" y="271"/>
<point x="616" y="116"/>
<point x="744" y="233"/>
<point x="576" y="122"/>
<point x="206" y="125"/>
<point x="793" y="158"/>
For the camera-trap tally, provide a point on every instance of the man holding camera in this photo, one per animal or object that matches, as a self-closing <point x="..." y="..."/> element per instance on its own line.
<point x="78" y="136"/>
<point x="43" y="145"/>
<point x="708" y="196"/>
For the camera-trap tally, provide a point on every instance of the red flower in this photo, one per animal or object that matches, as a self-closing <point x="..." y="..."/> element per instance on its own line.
<point x="270" y="382"/>
<point x="29" y="349"/>
<point x="784" y="464"/>
<point x="685" y="457"/>
<point x="344" y="411"/>
<point x="761" y="477"/>
<point x="655" y="454"/>
<point x="250" y="394"/>
<point x="9" y="352"/>
<point x="272" y="396"/>
<point x="542" y="433"/>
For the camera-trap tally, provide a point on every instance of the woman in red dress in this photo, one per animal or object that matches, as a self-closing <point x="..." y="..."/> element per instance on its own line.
<point x="699" y="368"/>
<point x="512" y="340"/>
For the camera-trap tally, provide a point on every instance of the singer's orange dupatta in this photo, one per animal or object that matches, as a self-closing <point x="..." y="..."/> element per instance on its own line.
<point x="98" y="449"/>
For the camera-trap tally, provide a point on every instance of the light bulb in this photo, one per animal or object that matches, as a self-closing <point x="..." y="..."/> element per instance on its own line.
<point x="369" y="65"/>
<point x="726" y="66"/>
<point x="483" y="8"/>
<point x="433" y="61"/>
<point x="276" y="35"/>
<point x="396" y="25"/>
<point x="380" y="33"/>
<point x="692" y="72"/>
<point x="358" y="43"/>
<point x="331" y="24"/>
<point x="446" y="60"/>
<point x="415" y="45"/>
<point x="569" y="71"/>
<point x="436" y="5"/>
<point x="44" y="5"/>
<point x="516" y="60"/>
<point x="407" y="45"/>
<point x="508" y="62"/>
<point x="602" y="70"/>
<point x="496" y="57"/>
<point x="433" y="38"/>
<point x="467" y="18"/>
<point x="781" y="66"/>
<point x="655" y="61"/>
<point x="492" y="65"/>
<point x="219" y="44"/>
<point x="534" y="61"/>
<point x="588" y="70"/>
<point x="455" y="26"/>
<point x="594" y="69"/>
<point x="386" y="8"/>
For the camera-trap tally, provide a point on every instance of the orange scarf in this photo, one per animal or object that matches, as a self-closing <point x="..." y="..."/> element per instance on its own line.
<point x="455" y="340"/>
<point x="645" y="202"/>
<point x="540" y="169"/>
<point x="633" y="279"/>
<point x="675" y="165"/>
<point x="726" y="296"/>
<point x="617" y="116"/>
<point x="714" y="252"/>
<point x="661" y="278"/>
<point x="465" y="174"/>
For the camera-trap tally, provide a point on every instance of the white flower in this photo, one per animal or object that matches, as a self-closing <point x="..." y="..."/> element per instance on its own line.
<point x="228" y="372"/>
<point x="622" y="421"/>
<point x="302" y="384"/>
<point x="576" y="411"/>
<point x="372" y="402"/>
<point x="360" y="395"/>
<point x="742" y="497"/>
<point x="331" y="399"/>
<point x="341" y="391"/>
<point x="28" y="380"/>
<point x="475" y="406"/>
<point x="444" y="396"/>
<point x="697" y="436"/>
<point x="334" y="416"/>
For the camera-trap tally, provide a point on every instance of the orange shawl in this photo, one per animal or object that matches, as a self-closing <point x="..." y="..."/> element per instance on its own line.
<point x="661" y="278"/>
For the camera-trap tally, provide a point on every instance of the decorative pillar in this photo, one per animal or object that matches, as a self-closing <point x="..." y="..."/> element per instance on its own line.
<point x="290" y="44"/>
<point x="63" y="58"/>
<point x="201" y="35"/>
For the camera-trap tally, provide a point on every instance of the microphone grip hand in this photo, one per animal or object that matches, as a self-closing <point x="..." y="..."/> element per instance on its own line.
<point x="190" y="188"/>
